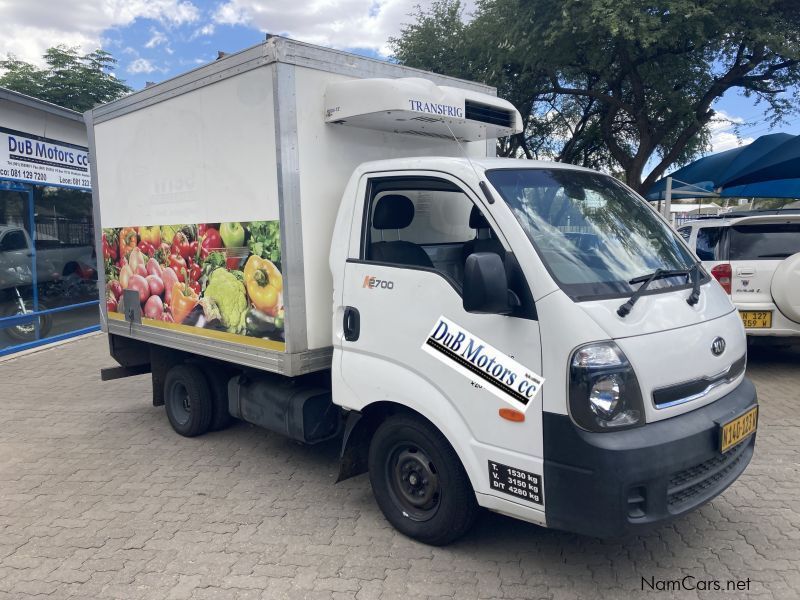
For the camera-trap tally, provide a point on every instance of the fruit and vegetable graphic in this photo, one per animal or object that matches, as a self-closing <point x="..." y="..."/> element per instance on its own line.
<point x="213" y="276"/>
<point x="232" y="234"/>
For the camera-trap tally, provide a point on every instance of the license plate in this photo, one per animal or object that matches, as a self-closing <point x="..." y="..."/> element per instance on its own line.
<point x="756" y="319"/>
<point x="737" y="430"/>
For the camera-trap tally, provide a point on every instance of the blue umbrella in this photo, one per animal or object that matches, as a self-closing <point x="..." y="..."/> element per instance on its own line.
<point x="768" y="167"/>
<point x="782" y="162"/>
<point x="702" y="173"/>
<point x="777" y="188"/>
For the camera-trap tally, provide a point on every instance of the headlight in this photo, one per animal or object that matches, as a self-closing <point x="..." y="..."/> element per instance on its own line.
<point x="604" y="394"/>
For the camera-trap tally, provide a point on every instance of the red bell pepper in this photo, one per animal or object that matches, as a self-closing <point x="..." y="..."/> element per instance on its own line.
<point x="178" y="264"/>
<point x="211" y="241"/>
<point x="181" y="245"/>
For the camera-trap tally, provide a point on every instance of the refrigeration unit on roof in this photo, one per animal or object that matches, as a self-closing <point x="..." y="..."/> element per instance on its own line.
<point x="417" y="106"/>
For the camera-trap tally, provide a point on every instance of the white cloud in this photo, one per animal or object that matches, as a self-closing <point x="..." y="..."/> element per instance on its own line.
<point x="39" y="24"/>
<point x="141" y="65"/>
<point x="723" y="132"/>
<point x="207" y="29"/>
<point x="336" y="23"/>
<point x="156" y="39"/>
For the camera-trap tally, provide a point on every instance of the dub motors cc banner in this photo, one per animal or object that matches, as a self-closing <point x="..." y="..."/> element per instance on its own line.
<point x="481" y="362"/>
<point x="44" y="161"/>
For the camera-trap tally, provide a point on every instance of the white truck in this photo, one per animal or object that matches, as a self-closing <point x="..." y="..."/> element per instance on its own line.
<point x="321" y="244"/>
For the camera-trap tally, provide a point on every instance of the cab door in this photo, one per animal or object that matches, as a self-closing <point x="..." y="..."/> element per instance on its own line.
<point x="410" y="236"/>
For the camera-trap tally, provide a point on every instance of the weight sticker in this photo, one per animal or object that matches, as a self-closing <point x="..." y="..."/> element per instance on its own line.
<point x="472" y="357"/>
<point x="515" y="482"/>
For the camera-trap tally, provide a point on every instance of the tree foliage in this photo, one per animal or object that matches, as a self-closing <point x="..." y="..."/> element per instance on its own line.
<point x="617" y="84"/>
<point x="69" y="79"/>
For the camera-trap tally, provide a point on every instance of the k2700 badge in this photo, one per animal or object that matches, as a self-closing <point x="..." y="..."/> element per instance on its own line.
<point x="375" y="283"/>
<point x="472" y="357"/>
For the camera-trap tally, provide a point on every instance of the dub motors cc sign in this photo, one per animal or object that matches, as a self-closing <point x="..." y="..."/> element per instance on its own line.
<point x="478" y="360"/>
<point x="44" y="161"/>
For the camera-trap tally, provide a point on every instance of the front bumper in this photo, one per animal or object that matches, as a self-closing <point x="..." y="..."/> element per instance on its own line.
<point x="613" y="484"/>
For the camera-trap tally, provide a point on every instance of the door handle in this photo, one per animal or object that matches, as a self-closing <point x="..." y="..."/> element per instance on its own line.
<point x="352" y="323"/>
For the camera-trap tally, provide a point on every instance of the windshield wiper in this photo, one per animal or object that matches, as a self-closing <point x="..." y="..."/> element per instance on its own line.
<point x="775" y="255"/>
<point x="694" y="297"/>
<point x="646" y="280"/>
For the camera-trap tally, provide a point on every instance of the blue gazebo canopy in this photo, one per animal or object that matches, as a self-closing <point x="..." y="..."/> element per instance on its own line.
<point x="769" y="167"/>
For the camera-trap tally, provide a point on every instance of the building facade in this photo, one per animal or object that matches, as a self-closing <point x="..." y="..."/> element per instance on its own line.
<point x="48" y="260"/>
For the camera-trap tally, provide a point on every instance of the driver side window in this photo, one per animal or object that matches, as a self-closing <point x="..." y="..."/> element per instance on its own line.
<point x="425" y="223"/>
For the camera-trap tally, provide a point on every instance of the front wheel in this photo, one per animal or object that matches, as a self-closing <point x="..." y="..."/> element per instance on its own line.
<point x="418" y="481"/>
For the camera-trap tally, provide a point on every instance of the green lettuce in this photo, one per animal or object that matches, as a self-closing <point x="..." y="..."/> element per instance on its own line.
<point x="229" y="295"/>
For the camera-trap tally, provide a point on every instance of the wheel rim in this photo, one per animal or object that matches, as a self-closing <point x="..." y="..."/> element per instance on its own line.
<point x="180" y="403"/>
<point x="413" y="482"/>
<point x="25" y="329"/>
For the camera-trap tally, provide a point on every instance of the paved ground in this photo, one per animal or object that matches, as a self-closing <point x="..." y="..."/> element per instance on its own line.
<point x="100" y="499"/>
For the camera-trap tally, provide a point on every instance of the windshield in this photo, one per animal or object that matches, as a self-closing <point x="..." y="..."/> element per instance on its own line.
<point x="593" y="235"/>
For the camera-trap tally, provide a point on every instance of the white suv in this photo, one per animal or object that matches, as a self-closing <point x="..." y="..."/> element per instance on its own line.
<point x="755" y="256"/>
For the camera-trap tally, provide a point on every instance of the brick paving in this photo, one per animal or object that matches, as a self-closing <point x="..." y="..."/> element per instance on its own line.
<point x="100" y="499"/>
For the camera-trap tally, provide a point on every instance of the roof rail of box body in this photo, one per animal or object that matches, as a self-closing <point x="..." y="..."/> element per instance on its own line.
<point x="274" y="49"/>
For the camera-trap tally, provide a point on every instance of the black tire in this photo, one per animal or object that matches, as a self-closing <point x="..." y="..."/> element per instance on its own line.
<point x="218" y="380"/>
<point x="187" y="398"/>
<point x="419" y="482"/>
<point x="26" y="332"/>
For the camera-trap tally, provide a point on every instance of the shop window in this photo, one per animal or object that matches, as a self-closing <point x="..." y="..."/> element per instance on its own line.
<point x="47" y="264"/>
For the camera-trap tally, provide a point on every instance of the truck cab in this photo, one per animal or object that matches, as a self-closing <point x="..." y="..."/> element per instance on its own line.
<point x="462" y="285"/>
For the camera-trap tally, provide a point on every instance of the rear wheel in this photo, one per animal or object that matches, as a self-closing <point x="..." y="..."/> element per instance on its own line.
<point x="419" y="482"/>
<point x="187" y="398"/>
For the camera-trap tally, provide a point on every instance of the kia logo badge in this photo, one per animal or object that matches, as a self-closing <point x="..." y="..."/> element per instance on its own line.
<point x="718" y="346"/>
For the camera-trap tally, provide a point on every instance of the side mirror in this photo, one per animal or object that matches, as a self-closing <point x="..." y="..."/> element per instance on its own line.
<point x="486" y="284"/>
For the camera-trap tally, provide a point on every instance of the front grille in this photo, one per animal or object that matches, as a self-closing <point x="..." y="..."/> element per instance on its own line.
<point x="475" y="111"/>
<point x="701" y="481"/>
<point x="691" y="390"/>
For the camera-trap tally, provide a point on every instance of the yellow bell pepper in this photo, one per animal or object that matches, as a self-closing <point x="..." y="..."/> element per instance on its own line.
<point x="264" y="284"/>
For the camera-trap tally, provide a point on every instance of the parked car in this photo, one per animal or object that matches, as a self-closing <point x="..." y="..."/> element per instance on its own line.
<point x="755" y="256"/>
<point x="57" y="264"/>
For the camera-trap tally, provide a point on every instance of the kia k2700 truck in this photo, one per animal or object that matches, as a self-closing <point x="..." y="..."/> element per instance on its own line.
<point x="321" y="244"/>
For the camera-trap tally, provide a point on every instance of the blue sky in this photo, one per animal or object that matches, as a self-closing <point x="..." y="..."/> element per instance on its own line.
<point x="157" y="39"/>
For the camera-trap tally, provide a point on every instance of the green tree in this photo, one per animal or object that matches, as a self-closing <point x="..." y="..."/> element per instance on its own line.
<point x="617" y="83"/>
<point x="69" y="79"/>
